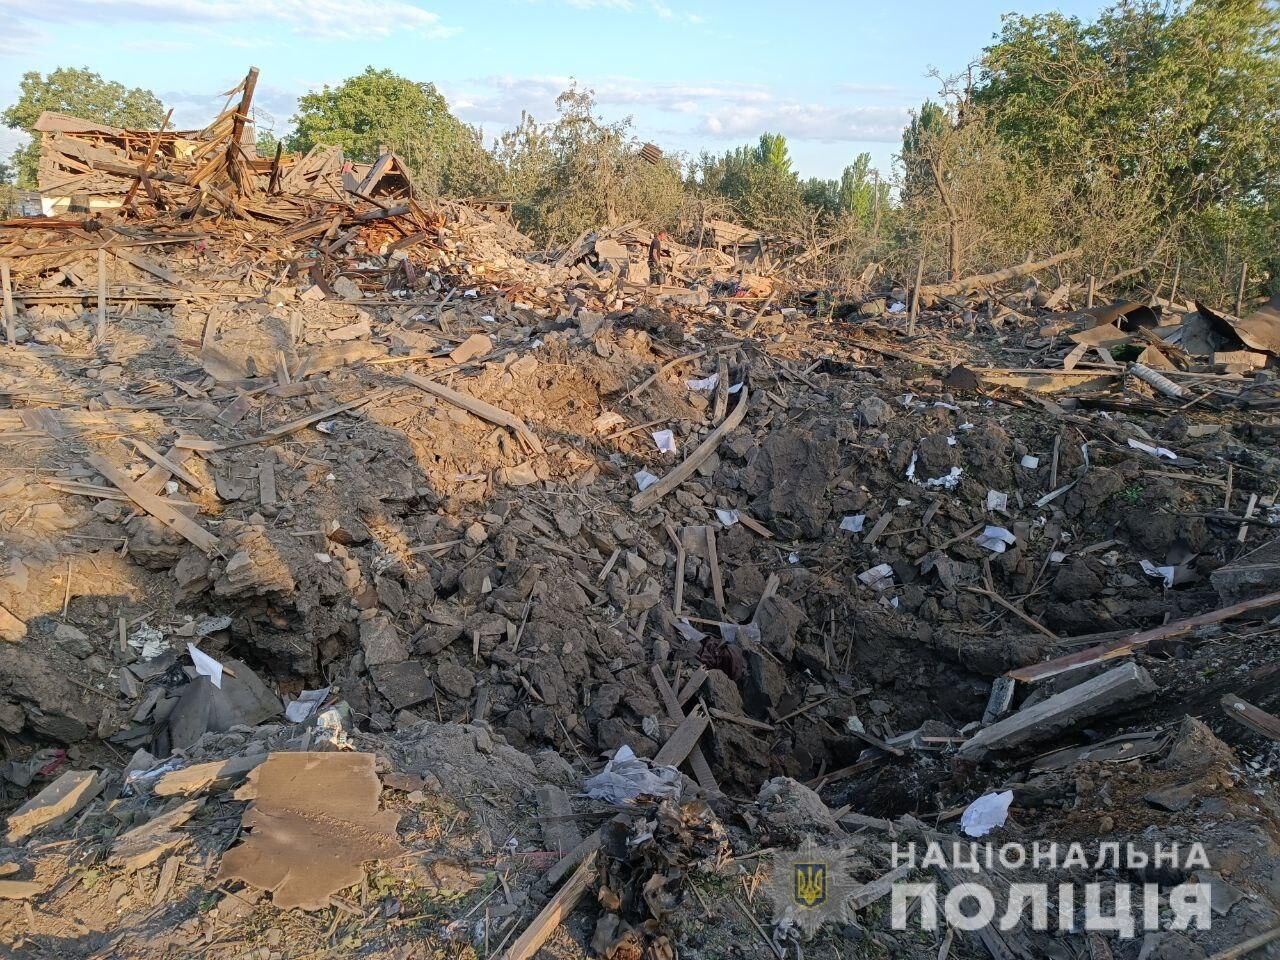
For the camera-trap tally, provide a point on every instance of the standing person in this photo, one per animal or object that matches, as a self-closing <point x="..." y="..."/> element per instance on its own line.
<point x="656" y="273"/>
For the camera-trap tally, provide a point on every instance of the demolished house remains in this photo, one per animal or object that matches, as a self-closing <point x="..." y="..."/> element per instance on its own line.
<point x="374" y="584"/>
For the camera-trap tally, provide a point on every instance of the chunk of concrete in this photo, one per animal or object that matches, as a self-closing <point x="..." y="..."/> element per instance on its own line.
<point x="1062" y="711"/>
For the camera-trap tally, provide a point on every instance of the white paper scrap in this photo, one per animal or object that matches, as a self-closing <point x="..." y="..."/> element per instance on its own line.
<point x="665" y="440"/>
<point x="995" y="539"/>
<point x="706" y="384"/>
<point x="308" y="702"/>
<point x="1165" y="573"/>
<point x="879" y="577"/>
<point x="645" y="479"/>
<point x="727" y="517"/>
<point x="946" y="482"/>
<point x="1164" y="452"/>
<point x="986" y="814"/>
<point x="1029" y="462"/>
<point x="206" y="666"/>
<point x="997" y="500"/>
<point x="853" y="524"/>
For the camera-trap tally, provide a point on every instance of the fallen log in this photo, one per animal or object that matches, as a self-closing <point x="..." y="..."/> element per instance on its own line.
<point x="937" y="291"/>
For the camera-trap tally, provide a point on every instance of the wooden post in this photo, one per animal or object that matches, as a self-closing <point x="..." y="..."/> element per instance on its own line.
<point x="1177" y="275"/>
<point x="915" y="299"/>
<point x="1093" y="287"/>
<point x="102" y="296"/>
<point x="1244" y="278"/>
<point x="9" y="320"/>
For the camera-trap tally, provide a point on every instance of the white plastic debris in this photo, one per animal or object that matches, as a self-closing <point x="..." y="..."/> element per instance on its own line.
<point x="487" y="318"/>
<point x="1057" y="556"/>
<point x="946" y="406"/>
<point x="995" y="539"/>
<point x="879" y="577"/>
<point x="333" y="726"/>
<point x="948" y="481"/>
<point x="951" y="441"/>
<point x="997" y="500"/>
<point x="323" y="558"/>
<point x="206" y="666"/>
<point x="626" y="777"/>
<point x="727" y="517"/>
<point x="1029" y="462"/>
<point x="665" y="441"/>
<point x="965" y="426"/>
<point x="896" y="307"/>
<point x="171" y="487"/>
<point x="148" y="641"/>
<point x="735" y="388"/>
<point x="1164" y="452"/>
<point x="793" y="557"/>
<point x="1164" y="573"/>
<point x="207" y="625"/>
<point x="854" y="524"/>
<point x="985" y="814"/>
<point x="911" y="469"/>
<point x="645" y="479"/>
<point x="325" y="426"/>
<point x="308" y="702"/>
<point x="705" y="385"/>
<point x="470" y="293"/>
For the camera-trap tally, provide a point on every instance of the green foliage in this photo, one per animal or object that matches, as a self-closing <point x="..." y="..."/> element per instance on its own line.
<point x="6" y="173"/>
<point x="381" y="108"/>
<point x="580" y="173"/>
<point x="80" y="93"/>
<point x="266" y="143"/>
<point x="772" y="151"/>
<point x="1161" y="120"/>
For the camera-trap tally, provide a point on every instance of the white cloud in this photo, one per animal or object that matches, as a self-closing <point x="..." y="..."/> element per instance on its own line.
<point x="323" y="19"/>
<point x="807" y="121"/>
<point x="720" y="110"/>
<point x="16" y="37"/>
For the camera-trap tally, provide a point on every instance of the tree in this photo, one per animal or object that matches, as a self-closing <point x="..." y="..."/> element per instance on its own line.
<point x="80" y="93"/>
<point x="928" y="143"/>
<point x="580" y="173"/>
<point x="1162" y="119"/>
<point x="772" y="151"/>
<point x="380" y="108"/>
<point x="6" y="173"/>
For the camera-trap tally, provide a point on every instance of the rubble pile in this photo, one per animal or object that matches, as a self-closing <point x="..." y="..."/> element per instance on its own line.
<point x="329" y="511"/>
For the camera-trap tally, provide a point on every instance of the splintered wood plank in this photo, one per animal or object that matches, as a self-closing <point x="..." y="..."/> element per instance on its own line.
<point x="162" y="511"/>
<point x="647" y="498"/>
<point x="697" y="759"/>
<point x="175" y="468"/>
<point x="554" y="913"/>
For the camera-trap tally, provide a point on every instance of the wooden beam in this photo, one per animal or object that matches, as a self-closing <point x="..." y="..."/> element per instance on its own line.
<point x="647" y="498"/>
<point x="554" y="913"/>
<point x="1247" y="715"/>
<point x="158" y="508"/>
<point x="6" y="283"/>
<point x="1121" y="648"/>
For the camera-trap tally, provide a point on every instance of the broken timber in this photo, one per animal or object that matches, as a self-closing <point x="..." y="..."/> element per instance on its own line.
<point x="1121" y="648"/>
<point x="179" y="522"/>
<point x="647" y="498"/>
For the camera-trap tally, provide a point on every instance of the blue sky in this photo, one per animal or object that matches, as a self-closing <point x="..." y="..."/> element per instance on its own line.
<point x="836" y="77"/>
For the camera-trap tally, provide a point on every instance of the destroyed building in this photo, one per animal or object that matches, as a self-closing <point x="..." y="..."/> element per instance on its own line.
<point x="328" y="510"/>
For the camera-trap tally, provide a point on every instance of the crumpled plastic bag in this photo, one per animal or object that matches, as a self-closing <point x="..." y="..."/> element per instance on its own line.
<point x="986" y="814"/>
<point x="626" y="777"/>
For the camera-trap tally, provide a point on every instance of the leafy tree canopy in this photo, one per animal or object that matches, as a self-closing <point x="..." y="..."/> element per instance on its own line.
<point x="81" y="93"/>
